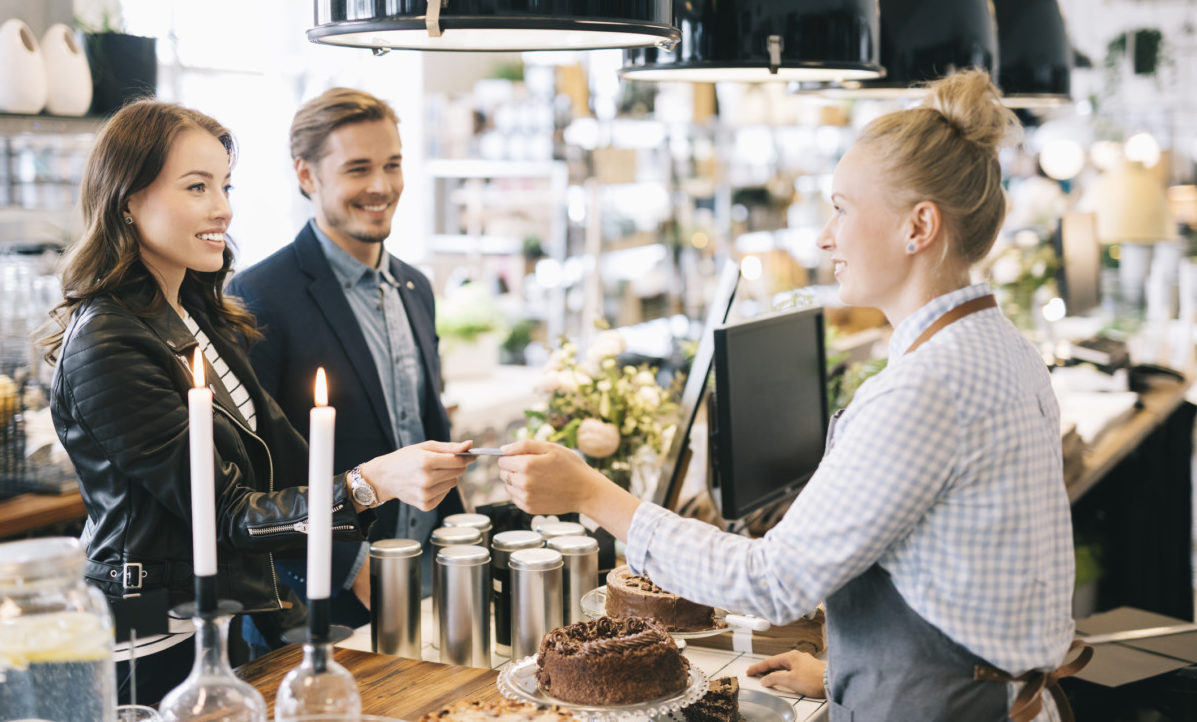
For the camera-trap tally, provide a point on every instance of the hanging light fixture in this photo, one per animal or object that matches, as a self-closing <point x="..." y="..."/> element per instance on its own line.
<point x="1036" y="59"/>
<point x="506" y="25"/>
<point x="922" y="40"/>
<point x="765" y="40"/>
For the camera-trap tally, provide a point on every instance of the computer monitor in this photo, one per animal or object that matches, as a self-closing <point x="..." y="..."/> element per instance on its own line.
<point x="770" y="416"/>
<point x="1077" y="248"/>
<point x="676" y="459"/>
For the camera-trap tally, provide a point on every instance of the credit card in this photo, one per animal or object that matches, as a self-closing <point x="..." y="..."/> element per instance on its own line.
<point x="481" y="452"/>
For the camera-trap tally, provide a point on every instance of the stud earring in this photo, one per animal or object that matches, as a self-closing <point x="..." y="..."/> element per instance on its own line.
<point x="909" y="246"/>
<point x="128" y="220"/>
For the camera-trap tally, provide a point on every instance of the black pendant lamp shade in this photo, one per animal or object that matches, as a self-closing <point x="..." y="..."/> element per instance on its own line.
<point x="922" y="40"/>
<point x="507" y="25"/>
<point x="765" y="40"/>
<point x="1036" y="59"/>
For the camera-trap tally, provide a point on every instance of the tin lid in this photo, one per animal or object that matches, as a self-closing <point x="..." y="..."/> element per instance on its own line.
<point x="395" y="548"/>
<point x="463" y="555"/>
<point x="40" y="558"/>
<point x="574" y="545"/>
<point x="561" y="528"/>
<point x="536" y="559"/>
<point x="509" y="541"/>
<point x="447" y="535"/>
<point x="474" y="521"/>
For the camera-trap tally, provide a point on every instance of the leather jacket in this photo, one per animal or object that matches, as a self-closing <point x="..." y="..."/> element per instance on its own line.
<point x="119" y="404"/>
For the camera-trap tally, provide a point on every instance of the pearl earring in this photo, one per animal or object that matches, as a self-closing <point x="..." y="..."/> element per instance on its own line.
<point x="909" y="246"/>
<point x="128" y="220"/>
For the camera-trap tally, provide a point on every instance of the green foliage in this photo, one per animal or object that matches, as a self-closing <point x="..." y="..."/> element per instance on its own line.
<point x="466" y="314"/>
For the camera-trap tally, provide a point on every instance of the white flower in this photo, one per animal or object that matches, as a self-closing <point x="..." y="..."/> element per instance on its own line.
<point x="650" y="396"/>
<point x="1006" y="270"/>
<point x="549" y="382"/>
<point x="597" y="439"/>
<point x="1038" y="269"/>
<point x="1026" y="238"/>
<point x="607" y="343"/>
<point x="570" y="380"/>
<point x="543" y="432"/>
<point x="603" y="385"/>
<point x="645" y="378"/>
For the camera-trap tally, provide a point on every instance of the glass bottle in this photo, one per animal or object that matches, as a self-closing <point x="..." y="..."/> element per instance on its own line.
<point x="212" y="691"/>
<point x="317" y="686"/>
<point x="56" y="636"/>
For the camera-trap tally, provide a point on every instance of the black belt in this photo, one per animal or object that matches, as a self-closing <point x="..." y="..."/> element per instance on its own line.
<point x="135" y="576"/>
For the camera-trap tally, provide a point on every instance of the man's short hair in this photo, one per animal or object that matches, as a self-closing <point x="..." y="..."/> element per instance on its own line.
<point x="320" y="116"/>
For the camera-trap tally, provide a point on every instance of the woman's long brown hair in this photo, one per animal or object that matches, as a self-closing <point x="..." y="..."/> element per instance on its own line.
<point x="129" y="153"/>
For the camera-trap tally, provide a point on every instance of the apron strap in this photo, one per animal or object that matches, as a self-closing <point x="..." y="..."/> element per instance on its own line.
<point x="979" y="303"/>
<point x="1029" y="701"/>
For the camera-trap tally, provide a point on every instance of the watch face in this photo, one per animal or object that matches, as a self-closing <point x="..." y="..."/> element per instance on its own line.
<point x="364" y="494"/>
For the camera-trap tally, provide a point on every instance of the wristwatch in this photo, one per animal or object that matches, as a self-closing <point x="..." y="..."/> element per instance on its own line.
<point x="363" y="493"/>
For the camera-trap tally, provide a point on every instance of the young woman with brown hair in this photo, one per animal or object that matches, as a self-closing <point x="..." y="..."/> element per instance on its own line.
<point x="143" y="289"/>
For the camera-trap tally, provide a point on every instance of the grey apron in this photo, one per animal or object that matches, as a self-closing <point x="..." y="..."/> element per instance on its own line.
<point x="887" y="663"/>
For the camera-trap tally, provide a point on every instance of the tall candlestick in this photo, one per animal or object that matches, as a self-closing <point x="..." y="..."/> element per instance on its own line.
<point x="320" y="473"/>
<point x="203" y="493"/>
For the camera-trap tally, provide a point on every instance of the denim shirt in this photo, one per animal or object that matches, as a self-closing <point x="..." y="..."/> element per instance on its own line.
<point x="373" y="294"/>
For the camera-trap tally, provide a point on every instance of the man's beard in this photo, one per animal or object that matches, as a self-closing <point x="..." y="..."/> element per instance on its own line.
<point x="369" y="238"/>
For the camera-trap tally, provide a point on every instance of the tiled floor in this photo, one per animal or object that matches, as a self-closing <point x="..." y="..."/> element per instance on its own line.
<point x="714" y="662"/>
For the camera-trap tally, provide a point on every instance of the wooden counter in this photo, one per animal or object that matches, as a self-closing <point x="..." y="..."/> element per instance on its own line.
<point x="27" y="512"/>
<point x="392" y="686"/>
<point x="1156" y="405"/>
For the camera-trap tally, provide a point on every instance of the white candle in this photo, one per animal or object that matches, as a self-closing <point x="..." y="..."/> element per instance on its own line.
<point x="203" y="492"/>
<point x="320" y="497"/>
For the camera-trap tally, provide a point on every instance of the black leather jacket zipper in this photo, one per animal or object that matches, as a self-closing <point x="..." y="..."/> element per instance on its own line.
<point x="269" y="486"/>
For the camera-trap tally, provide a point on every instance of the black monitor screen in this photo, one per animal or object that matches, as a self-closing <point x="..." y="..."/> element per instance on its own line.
<point x="770" y="407"/>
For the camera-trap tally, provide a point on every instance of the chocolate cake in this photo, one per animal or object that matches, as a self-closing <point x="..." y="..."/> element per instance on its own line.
<point x="503" y="711"/>
<point x="721" y="703"/>
<point x="609" y="661"/>
<point x="633" y="595"/>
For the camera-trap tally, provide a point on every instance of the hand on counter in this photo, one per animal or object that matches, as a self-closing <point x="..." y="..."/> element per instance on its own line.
<point x="796" y="671"/>
<point x="420" y="475"/>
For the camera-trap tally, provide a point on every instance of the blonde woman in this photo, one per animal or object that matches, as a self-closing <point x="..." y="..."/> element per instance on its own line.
<point x="937" y="527"/>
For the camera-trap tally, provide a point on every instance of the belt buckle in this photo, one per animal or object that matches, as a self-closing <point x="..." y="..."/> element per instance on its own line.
<point x="135" y="569"/>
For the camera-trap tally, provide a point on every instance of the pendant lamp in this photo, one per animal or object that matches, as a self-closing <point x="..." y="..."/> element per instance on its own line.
<point x="1036" y="59"/>
<point x="765" y="40"/>
<point x="502" y="25"/>
<point x="922" y="40"/>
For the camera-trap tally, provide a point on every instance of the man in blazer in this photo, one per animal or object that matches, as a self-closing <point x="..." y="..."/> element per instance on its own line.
<point x="335" y="298"/>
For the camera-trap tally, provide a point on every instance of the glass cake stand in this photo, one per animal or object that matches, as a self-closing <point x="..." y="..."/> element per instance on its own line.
<point x="517" y="681"/>
<point x="594" y="604"/>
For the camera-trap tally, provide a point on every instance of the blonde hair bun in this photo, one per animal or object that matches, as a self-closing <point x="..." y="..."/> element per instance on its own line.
<point x="971" y="103"/>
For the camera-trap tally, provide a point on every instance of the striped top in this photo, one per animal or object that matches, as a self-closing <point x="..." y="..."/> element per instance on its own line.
<point x="232" y="384"/>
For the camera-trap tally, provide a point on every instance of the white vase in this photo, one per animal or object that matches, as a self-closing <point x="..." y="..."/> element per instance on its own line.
<point x="68" y="77"/>
<point x="22" y="70"/>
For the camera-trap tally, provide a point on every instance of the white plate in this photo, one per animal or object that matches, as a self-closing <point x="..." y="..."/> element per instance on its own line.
<point x="757" y="706"/>
<point x="518" y="681"/>
<point x="594" y="605"/>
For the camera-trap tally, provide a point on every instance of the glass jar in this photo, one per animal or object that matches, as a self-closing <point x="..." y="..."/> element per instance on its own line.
<point x="56" y="635"/>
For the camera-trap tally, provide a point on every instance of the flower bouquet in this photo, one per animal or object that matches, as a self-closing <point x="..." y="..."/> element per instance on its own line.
<point x="618" y="417"/>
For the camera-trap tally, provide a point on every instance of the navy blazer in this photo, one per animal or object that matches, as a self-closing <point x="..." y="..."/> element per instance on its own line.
<point x="308" y="323"/>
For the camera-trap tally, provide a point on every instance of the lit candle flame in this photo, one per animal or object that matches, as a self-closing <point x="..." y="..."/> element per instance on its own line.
<point x="321" y="388"/>
<point x="197" y="368"/>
